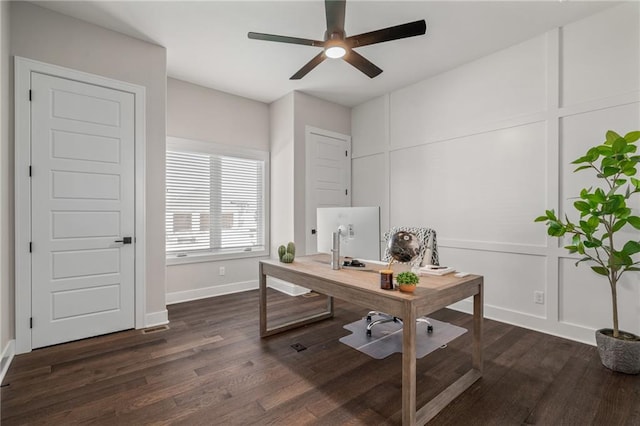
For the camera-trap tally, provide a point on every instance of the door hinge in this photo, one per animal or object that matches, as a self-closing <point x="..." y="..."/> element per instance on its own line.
<point x="29" y="95"/>
<point x="31" y="322"/>
<point x="30" y="246"/>
<point x="346" y="153"/>
<point x="346" y="192"/>
<point x="29" y="171"/>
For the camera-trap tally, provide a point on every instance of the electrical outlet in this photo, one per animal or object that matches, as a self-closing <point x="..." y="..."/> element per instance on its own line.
<point x="221" y="271"/>
<point x="538" y="297"/>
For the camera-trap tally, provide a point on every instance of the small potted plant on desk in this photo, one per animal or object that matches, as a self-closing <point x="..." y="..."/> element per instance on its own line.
<point x="604" y="212"/>
<point x="407" y="281"/>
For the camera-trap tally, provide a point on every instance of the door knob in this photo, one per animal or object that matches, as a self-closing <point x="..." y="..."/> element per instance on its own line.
<point x="124" y="240"/>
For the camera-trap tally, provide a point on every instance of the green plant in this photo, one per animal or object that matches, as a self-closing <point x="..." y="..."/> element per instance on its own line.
<point x="282" y="250"/>
<point x="288" y="253"/>
<point x="604" y="212"/>
<point x="407" y="278"/>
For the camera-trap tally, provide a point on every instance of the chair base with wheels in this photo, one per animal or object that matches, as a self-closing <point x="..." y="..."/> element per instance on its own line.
<point x="389" y="318"/>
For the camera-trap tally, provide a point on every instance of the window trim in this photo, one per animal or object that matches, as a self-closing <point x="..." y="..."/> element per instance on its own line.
<point x="214" y="148"/>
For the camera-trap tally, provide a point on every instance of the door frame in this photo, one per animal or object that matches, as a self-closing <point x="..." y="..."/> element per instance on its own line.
<point x="23" y="68"/>
<point x="309" y="215"/>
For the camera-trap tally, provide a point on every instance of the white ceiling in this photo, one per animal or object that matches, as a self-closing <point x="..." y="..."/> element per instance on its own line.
<point x="207" y="42"/>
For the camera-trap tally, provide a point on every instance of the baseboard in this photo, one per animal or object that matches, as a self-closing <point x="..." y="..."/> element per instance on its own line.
<point x="7" y="356"/>
<point x="217" y="290"/>
<point x="286" y="287"/>
<point x="573" y="332"/>
<point x="156" y="318"/>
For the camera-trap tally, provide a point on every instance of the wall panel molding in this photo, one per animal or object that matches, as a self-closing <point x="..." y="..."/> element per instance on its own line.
<point x="426" y="143"/>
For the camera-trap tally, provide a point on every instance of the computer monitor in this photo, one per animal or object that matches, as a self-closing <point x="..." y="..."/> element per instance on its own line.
<point x="359" y="231"/>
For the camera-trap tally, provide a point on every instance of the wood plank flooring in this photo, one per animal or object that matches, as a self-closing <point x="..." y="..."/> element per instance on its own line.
<point x="211" y="368"/>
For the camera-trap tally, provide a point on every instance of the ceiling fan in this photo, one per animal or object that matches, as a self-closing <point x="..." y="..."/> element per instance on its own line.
<point x="337" y="45"/>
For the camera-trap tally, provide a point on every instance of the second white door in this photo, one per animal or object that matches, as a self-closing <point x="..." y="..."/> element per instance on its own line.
<point x="328" y="175"/>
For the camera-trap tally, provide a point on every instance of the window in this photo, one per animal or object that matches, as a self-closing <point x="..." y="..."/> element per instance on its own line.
<point x="216" y="203"/>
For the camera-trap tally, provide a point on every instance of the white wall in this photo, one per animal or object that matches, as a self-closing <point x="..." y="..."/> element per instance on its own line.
<point x="479" y="151"/>
<point x="43" y="35"/>
<point x="281" y="119"/>
<point x="199" y="113"/>
<point x="289" y="117"/>
<point x="6" y="193"/>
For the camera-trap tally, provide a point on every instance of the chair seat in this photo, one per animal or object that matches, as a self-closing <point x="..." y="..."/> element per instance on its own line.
<point x="390" y="318"/>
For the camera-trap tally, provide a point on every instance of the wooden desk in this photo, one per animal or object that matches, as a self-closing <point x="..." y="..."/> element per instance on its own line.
<point x="362" y="287"/>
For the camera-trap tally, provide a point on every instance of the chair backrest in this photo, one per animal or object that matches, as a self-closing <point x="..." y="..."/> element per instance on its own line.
<point x="428" y="246"/>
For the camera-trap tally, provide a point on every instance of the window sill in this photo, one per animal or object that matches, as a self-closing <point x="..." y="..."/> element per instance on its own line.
<point x="173" y="259"/>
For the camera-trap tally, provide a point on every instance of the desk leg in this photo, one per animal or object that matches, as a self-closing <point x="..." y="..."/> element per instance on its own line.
<point x="264" y="328"/>
<point x="409" y="366"/>
<point x="478" y="315"/>
<point x="263" y="302"/>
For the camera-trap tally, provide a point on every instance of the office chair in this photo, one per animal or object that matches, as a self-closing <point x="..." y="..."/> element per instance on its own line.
<point x="428" y="248"/>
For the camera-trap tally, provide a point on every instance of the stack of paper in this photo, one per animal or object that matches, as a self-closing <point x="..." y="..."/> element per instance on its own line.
<point x="436" y="270"/>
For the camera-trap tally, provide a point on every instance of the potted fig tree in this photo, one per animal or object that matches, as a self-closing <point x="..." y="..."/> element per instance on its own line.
<point x="604" y="212"/>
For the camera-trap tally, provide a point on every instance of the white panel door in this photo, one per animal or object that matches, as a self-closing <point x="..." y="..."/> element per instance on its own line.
<point x="82" y="157"/>
<point x="328" y="175"/>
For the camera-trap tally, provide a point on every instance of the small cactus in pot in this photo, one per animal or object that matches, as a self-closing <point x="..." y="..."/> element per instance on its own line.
<point x="287" y="254"/>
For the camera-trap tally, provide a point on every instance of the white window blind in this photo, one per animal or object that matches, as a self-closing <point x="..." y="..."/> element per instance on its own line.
<point x="214" y="203"/>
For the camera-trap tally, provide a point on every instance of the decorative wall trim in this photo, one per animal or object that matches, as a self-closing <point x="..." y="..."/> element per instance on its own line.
<point x="7" y="356"/>
<point x="557" y="116"/>
<point x="212" y="291"/>
<point x="531" y="322"/>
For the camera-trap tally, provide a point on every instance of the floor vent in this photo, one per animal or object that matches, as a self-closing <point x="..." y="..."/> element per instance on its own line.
<point x="298" y="347"/>
<point x="155" y="329"/>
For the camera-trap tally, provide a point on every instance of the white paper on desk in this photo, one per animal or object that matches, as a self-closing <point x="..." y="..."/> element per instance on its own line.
<point x="426" y="270"/>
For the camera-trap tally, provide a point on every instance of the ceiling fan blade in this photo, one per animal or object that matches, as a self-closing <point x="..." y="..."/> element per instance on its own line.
<point x="334" y="9"/>
<point x="362" y="63"/>
<point x="285" y="39"/>
<point x="309" y="66"/>
<point x="387" y="34"/>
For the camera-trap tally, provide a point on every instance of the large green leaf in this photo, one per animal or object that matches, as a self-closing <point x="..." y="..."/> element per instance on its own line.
<point x="584" y="259"/>
<point x="600" y="270"/>
<point x="632" y="136"/>
<point x="622" y="213"/>
<point x="618" y="225"/>
<point x="593" y="222"/>
<point x="631" y="247"/>
<point x="572" y="249"/>
<point x="611" y="136"/>
<point x="634" y="221"/>
<point x="581" y="168"/>
<point x="583" y="159"/>
<point x="582" y="206"/>
<point x="541" y="219"/>
<point x="619" y="145"/>
<point x="610" y="171"/>
<point x="598" y="196"/>
<point x="592" y="244"/>
<point x="555" y="229"/>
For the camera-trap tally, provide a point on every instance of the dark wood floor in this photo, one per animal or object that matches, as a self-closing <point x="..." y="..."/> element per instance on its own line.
<point x="211" y="368"/>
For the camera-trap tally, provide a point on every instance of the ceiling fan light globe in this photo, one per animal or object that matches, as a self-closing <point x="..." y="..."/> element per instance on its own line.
<point x="335" y="52"/>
